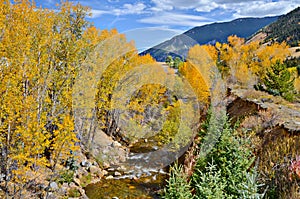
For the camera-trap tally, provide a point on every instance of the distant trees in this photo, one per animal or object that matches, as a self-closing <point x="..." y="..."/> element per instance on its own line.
<point x="174" y="63"/>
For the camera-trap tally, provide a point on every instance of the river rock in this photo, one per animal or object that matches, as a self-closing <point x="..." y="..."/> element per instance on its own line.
<point x="52" y="196"/>
<point x="77" y="181"/>
<point x="105" y="172"/>
<point x="85" y="163"/>
<point x="109" y="177"/>
<point x="94" y="169"/>
<point x="155" y="148"/>
<point x="106" y="165"/>
<point x="121" y="168"/>
<point x="115" y="144"/>
<point x="117" y="173"/>
<point x="53" y="186"/>
<point x="111" y="169"/>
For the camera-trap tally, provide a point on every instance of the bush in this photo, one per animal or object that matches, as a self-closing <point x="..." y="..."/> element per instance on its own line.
<point x="66" y="176"/>
<point x="74" y="193"/>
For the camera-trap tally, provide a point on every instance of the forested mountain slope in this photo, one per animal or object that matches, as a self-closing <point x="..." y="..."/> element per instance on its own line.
<point x="208" y="34"/>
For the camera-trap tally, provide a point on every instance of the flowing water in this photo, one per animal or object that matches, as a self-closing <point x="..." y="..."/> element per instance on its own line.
<point x="142" y="175"/>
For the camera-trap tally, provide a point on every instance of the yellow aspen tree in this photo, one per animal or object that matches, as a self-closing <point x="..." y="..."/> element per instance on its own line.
<point x="268" y="55"/>
<point x="197" y="71"/>
<point x="40" y="53"/>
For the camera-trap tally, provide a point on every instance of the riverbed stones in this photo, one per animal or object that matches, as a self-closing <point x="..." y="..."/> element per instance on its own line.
<point x="105" y="172"/>
<point x="117" y="173"/>
<point x="109" y="177"/>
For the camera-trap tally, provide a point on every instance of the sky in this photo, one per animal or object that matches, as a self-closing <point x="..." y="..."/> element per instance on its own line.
<point x="150" y="22"/>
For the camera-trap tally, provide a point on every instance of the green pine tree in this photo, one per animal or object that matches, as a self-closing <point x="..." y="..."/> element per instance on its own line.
<point x="279" y="81"/>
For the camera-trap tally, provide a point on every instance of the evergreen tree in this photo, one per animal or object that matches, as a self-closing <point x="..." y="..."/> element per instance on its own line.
<point x="279" y="81"/>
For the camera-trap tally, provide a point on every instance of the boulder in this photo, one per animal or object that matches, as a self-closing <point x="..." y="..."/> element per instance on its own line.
<point x="95" y="170"/>
<point x="53" y="186"/>
<point x="85" y="163"/>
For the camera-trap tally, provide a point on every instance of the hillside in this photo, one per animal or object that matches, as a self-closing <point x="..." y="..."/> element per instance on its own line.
<point x="286" y="28"/>
<point x="211" y="33"/>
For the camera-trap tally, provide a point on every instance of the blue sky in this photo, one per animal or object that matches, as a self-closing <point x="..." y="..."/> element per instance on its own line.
<point x="150" y="22"/>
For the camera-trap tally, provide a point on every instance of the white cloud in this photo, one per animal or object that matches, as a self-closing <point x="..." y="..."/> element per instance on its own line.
<point x="167" y="18"/>
<point x="127" y="8"/>
<point x="98" y="13"/>
<point x="240" y="7"/>
<point x="261" y="8"/>
<point x="203" y="5"/>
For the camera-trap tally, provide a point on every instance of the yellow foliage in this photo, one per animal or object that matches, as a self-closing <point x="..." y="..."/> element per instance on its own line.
<point x="195" y="79"/>
<point x="40" y="53"/>
<point x="247" y="60"/>
<point x="297" y="84"/>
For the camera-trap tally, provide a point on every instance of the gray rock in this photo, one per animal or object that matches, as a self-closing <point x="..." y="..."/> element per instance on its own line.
<point x="85" y="163"/>
<point x="52" y="196"/>
<point x="117" y="173"/>
<point x="53" y="186"/>
<point x="155" y="148"/>
<point x="116" y="144"/>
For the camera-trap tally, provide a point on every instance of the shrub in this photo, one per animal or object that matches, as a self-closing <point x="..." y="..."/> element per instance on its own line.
<point x="66" y="176"/>
<point x="74" y="193"/>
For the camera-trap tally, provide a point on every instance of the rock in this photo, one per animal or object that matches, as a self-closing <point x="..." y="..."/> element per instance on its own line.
<point x="63" y="191"/>
<point x="114" y="197"/>
<point x="94" y="169"/>
<point x="111" y="169"/>
<point x="85" y="163"/>
<point x="117" y="173"/>
<point x="53" y="186"/>
<point x="121" y="168"/>
<point x="77" y="181"/>
<point x="104" y="172"/>
<point x="106" y="165"/>
<point x="115" y="144"/>
<point x="109" y="177"/>
<point x="266" y="100"/>
<point x="52" y="196"/>
<point x="155" y="148"/>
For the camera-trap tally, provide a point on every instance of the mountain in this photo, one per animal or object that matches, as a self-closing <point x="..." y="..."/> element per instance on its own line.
<point x="286" y="28"/>
<point x="211" y="33"/>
